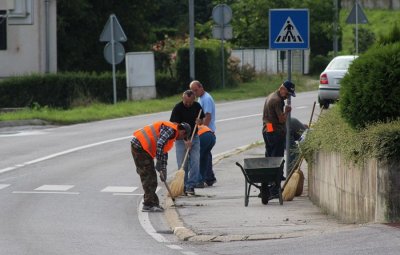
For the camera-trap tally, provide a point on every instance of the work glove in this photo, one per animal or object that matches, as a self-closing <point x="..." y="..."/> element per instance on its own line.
<point x="163" y="172"/>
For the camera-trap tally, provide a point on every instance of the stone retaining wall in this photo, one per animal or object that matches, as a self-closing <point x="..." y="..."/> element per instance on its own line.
<point x="352" y="193"/>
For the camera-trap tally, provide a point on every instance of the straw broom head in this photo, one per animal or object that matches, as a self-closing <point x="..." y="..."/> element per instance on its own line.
<point x="300" y="185"/>
<point x="177" y="184"/>
<point x="291" y="187"/>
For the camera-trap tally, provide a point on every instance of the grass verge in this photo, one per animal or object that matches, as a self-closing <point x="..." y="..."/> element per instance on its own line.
<point x="261" y="87"/>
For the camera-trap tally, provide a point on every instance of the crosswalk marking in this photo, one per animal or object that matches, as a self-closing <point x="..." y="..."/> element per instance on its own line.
<point x="54" y="187"/>
<point x="3" y="186"/>
<point x="119" y="189"/>
<point x="64" y="189"/>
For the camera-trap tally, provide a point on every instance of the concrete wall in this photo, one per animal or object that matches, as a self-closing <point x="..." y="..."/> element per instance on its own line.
<point x="27" y="50"/>
<point x="269" y="61"/>
<point x="355" y="193"/>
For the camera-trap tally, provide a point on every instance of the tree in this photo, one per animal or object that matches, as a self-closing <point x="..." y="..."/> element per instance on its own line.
<point x="80" y="23"/>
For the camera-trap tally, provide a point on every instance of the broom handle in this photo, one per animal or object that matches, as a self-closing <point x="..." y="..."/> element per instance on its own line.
<point x="191" y="139"/>
<point x="300" y="159"/>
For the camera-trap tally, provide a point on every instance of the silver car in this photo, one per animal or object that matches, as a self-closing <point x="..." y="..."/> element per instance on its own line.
<point x="329" y="80"/>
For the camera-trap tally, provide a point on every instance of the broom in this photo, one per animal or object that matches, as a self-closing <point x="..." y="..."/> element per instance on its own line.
<point x="295" y="181"/>
<point x="178" y="183"/>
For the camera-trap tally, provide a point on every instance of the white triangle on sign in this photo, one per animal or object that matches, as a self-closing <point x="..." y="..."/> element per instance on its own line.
<point x="289" y="33"/>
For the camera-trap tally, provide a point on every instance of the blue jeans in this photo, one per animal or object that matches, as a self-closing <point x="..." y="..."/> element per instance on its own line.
<point x="192" y="166"/>
<point x="207" y="142"/>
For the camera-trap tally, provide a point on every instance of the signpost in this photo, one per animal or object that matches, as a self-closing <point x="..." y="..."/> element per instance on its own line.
<point x="357" y="16"/>
<point x="289" y="29"/>
<point x="222" y="15"/>
<point x="114" y="51"/>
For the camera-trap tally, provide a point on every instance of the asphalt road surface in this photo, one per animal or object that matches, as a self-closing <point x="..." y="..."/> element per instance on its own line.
<point x="74" y="190"/>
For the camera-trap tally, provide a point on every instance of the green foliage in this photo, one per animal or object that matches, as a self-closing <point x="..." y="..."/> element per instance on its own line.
<point x="391" y="37"/>
<point x="262" y="86"/>
<point x="366" y="38"/>
<point x="207" y="63"/>
<point x="318" y="64"/>
<point x="370" y="92"/>
<point x="247" y="73"/>
<point x="61" y="90"/>
<point x="166" y="85"/>
<point x="80" y="23"/>
<point x="379" y="23"/>
<point x="333" y="134"/>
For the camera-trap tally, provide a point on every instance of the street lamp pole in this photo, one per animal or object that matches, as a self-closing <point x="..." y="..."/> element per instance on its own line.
<point x="191" y="39"/>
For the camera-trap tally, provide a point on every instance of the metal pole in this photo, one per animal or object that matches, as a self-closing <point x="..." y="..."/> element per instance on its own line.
<point x="113" y="60"/>
<point x="222" y="49"/>
<point x="335" y="29"/>
<point x="288" y="116"/>
<point x="357" y="27"/>
<point x="47" y="18"/>
<point x="191" y="39"/>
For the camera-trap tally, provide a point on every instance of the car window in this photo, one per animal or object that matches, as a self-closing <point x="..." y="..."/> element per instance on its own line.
<point x="340" y="64"/>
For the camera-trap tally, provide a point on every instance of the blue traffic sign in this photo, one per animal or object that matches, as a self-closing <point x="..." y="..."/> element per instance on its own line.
<point x="289" y="29"/>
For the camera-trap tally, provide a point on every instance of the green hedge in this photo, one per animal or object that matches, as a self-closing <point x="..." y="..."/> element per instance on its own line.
<point x="332" y="133"/>
<point x="208" y="65"/>
<point x="370" y="92"/>
<point x="61" y="90"/>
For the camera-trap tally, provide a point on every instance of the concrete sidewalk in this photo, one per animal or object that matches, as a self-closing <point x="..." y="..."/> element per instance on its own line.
<point x="218" y="213"/>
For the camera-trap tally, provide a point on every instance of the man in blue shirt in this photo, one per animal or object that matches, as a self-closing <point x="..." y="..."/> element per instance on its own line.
<point x="207" y="103"/>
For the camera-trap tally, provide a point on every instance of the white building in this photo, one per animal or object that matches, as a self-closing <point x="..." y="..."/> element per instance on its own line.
<point x="28" y="37"/>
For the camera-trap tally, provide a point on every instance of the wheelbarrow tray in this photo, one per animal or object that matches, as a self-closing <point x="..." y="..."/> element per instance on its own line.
<point x="262" y="170"/>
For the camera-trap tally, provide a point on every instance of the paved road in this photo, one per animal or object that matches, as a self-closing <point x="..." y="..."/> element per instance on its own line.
<point x="73" y="189"/>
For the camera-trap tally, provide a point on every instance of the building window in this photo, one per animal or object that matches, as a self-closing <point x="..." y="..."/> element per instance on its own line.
<point x="3" y="30"/>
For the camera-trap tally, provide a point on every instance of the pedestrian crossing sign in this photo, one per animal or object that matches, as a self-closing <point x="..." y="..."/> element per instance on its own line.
<point x="289" y="29"/>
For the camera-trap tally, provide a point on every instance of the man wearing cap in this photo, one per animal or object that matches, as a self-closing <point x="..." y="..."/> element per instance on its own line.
<point x="154" y="141"/>
<point x="274" y="120"/>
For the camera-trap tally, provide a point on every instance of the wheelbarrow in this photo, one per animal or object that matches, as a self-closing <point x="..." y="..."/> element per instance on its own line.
<point x="265" y="174"/>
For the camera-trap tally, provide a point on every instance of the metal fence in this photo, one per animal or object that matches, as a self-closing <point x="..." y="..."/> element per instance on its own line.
<point x="273" y="61"/>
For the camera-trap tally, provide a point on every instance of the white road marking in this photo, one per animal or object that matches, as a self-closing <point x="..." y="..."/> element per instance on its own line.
<point x="61" y="153"/>
<point x="3" y="186"/>
<point x="146" y="225"/>
<point x="241" y="117"/>
<point x="46" y="192"/>
<point x="126" y="194"/>
<point x="23" y="133"/>
<point x="54" y="187"/>
<point x="188" y="253"/>
<point x="174" y="247"/>
<point x="119" y="189"/>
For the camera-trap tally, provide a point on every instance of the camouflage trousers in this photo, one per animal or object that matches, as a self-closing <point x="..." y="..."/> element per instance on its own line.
<point x="145" y="169"/>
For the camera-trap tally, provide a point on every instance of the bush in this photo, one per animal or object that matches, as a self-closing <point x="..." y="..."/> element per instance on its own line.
<point x="333" y="134"/>
<point x="166" y="85"/>
<point x="318" y="64"/>
<point x="207" y="62"/>
<point x="61" y="90"/>
<point x="370" y="92"/>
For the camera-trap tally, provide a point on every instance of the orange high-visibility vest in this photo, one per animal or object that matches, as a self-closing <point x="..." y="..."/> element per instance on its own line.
<point x="202" y="129"/>
<point x="149" y="135"/>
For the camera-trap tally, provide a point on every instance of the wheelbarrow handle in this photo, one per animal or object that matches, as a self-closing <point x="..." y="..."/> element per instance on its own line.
<point x="239" y="165"/>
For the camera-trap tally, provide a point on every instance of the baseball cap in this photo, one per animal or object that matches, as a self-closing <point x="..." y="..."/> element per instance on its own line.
<point x="187" y="129"/>
<point x="290" y="87"/>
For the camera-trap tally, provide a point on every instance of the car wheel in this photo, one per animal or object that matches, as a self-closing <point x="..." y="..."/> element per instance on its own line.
<point x="326" y="105"/>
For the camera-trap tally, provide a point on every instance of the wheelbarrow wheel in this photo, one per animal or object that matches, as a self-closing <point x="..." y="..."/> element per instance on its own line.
<point x="264" y="193"/>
